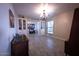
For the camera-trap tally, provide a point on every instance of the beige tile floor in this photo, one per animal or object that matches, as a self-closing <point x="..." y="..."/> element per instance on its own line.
<point x="45" y="46"/>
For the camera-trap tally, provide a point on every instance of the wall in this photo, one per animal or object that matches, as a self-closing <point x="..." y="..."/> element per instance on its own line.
<point x="62" y="25"/>
<point x="6" y="33"/>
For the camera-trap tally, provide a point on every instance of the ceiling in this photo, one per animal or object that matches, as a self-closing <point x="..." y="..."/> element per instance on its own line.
<point x="29" y="9"/>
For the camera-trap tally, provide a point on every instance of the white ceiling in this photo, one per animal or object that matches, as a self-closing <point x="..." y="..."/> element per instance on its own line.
<point x="28" y="9"/>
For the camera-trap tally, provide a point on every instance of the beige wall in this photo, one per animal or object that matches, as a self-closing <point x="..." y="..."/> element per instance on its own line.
<point x="62" y="25"/>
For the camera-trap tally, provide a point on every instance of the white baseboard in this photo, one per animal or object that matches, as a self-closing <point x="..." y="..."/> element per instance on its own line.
<point x="57" y="37"/>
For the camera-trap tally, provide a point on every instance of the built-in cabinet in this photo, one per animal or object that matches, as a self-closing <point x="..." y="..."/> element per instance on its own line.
<point x="22" y="26"/>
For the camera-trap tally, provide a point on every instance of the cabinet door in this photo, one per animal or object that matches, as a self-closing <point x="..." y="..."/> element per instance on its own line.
<point x="20" y="48"/>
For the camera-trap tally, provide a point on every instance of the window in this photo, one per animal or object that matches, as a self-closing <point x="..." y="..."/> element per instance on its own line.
<point x="50" y="27"/>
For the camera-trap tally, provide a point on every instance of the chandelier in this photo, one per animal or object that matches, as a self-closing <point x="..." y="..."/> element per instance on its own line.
<point x="43" y="14"/>
<point x="43" y="10"/>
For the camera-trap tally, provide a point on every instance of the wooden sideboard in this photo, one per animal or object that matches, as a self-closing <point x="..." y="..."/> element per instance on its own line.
<point x="19" y="46"/>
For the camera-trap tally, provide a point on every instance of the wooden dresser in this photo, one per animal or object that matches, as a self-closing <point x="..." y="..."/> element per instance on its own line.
<point x="19" y="46"/>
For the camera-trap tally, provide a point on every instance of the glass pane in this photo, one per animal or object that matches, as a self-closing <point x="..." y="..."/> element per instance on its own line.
<point x="50" y="30"/>
<point x="50" y="27"/>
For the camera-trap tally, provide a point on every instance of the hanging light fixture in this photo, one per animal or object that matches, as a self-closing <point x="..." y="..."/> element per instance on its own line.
<point x="43" y="10"/>
<point x="44" y="14"/>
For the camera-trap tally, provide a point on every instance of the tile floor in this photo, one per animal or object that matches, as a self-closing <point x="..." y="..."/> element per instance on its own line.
<point x="45" y="46"/>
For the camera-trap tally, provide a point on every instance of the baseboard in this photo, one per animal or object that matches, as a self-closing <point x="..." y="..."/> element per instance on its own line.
<point x="57" y="37"/>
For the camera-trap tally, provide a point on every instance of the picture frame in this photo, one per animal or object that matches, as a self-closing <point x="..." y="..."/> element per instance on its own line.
<point x="11" y="18"/>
